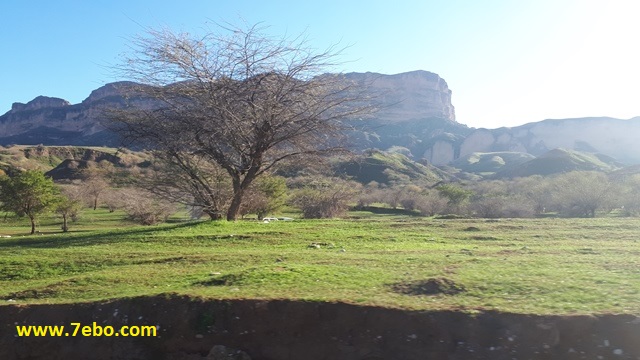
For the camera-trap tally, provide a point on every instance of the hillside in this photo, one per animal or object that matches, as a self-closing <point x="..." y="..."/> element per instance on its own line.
<point x="387" y="168"/>
<point x="63" y="162"/>
<point x="561" y="161"/>
<point x="486" y="164"/>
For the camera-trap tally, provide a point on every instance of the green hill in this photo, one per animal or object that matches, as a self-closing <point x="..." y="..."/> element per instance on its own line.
<point x="486" y="164"/>
<point x="561" y="161"/>
<point x="386" y="168"/>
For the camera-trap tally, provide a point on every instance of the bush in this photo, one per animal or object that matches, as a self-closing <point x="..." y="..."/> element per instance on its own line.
<point x="265" y="196"/>
<point x="325" y="197"/>
<point x="488" y="207"/>
<point x="144" y="209"/>
<point x="431" y="204"/>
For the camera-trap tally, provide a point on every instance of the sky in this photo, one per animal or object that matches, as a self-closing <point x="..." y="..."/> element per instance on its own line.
<point x="508" y="62"/>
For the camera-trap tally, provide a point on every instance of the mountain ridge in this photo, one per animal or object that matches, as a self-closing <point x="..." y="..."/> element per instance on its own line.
<point x="416" y="112"/>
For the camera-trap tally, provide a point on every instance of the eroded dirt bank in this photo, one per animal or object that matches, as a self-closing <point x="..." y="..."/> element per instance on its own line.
<point x="289" y="330"/>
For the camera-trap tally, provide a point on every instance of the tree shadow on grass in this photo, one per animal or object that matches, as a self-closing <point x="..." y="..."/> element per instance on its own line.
<point x="84" y="238"/>
<point x="389" y="211"/>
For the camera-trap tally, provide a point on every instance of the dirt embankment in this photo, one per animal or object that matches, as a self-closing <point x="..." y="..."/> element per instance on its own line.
<point x="290" y="330"/>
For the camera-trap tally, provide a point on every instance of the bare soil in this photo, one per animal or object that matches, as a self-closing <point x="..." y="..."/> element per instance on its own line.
<point x="292" y="330"/>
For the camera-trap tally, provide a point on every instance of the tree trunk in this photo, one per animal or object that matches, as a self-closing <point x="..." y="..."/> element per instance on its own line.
<point x="240" y="184"/>
<point x="33" y="225"/>
<point x="65" y="228"/>
<point x="234" y="209"/>
<point x="95" y="203"/>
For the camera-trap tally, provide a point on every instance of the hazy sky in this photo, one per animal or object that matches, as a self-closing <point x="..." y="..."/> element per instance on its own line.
<point x="508" y="62"/>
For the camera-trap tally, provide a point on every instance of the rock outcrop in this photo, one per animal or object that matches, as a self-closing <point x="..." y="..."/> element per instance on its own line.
<point x="407" y="96"/>
<point x="38" y="103"/>
<point x="53" y="121"/>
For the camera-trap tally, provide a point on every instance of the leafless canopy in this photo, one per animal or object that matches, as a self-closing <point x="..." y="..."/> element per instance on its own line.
<point x="237" y="98"/>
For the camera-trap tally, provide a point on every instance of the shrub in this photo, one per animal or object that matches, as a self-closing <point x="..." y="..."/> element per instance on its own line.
<point x="325" y="197"/>
<point x="431" y="204"/>
<point x="143" y="208"/>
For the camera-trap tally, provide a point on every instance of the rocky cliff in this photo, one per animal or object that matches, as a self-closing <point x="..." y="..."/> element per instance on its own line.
<point x="407" y="96"/>
<point x="417" y="96"/>
<point x="53" y="121"/>
<point x="414" y="111"/>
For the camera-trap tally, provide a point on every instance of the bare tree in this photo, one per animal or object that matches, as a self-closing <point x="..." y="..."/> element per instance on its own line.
<point x="69" y="204"/>
<point x="93" y="188"/>
<point x="237" y="98"/>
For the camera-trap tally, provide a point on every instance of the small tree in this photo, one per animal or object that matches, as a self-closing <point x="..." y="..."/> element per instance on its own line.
<point x="431" y="203"/>
<point x="629" y="196"/>
<point x="68" y="208"/>
<point x="28" y="194"/>
<point x="94" y="187"/>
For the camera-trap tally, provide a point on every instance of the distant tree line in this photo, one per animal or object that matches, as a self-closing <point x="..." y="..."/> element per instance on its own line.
<point x="573" y="194"/>
<point x="30" y="194"/>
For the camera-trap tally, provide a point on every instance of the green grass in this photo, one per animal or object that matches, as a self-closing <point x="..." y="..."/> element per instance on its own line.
<point x="541" y="266"/>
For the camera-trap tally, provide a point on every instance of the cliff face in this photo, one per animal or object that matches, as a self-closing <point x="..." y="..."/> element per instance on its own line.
<point x="407" y="99"/>
<point x="53" y="121"/>
<point x="407" y="96"/>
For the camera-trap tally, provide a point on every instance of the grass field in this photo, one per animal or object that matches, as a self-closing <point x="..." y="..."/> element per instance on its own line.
<point x="541" y="266"/>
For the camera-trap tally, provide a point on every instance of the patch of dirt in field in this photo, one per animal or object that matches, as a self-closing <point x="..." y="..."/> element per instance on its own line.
<point x="41" y="292"/>
<point x="432" y="286"/>
<point x="195" y="328"/>
<point x="32" y="294"/>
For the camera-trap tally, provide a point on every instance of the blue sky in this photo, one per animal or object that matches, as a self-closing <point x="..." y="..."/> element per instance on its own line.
<point x="508" y="62"/>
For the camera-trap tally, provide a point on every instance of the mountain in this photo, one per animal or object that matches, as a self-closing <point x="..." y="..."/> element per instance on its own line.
<point x="614" y="137"/>
<point x="415" y="111"/>
<point x="54" y="121"/>
<point x="409" y="98"/>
